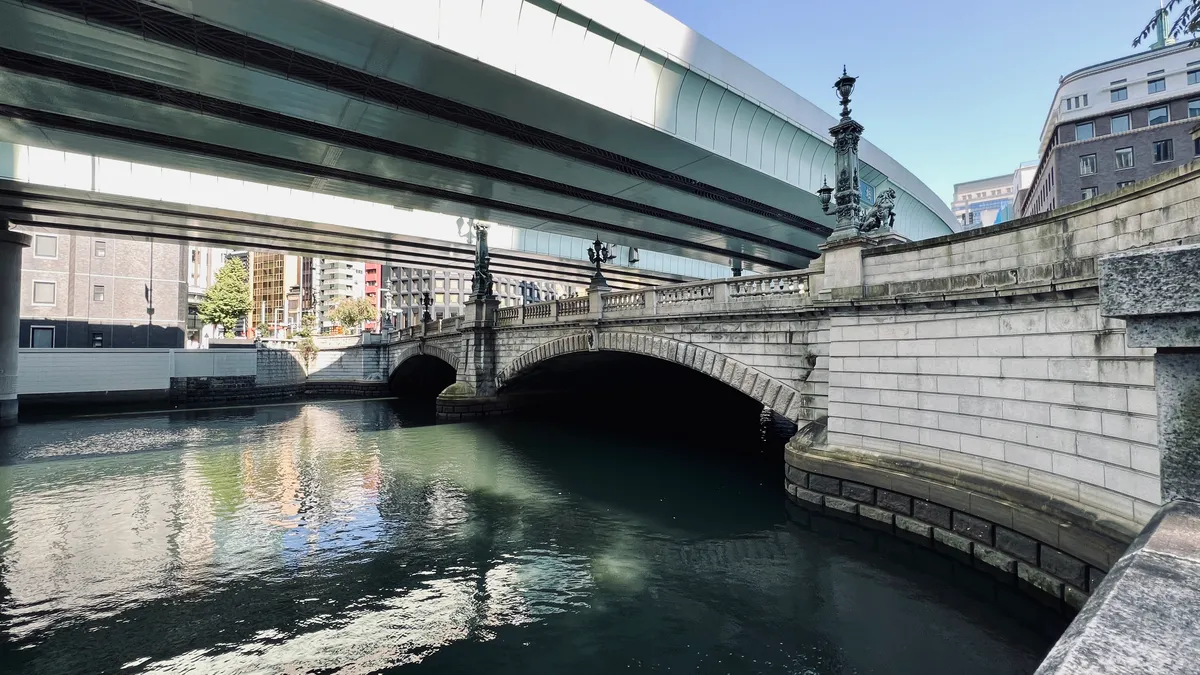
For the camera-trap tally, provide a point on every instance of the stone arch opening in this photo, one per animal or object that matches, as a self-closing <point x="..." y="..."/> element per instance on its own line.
<point x="642" y="394"/>
<point x="421" y="377"/>
<point x="786" y="402"/>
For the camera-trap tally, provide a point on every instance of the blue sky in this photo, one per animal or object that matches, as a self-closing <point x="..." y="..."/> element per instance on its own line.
<point x="953" y="90"/>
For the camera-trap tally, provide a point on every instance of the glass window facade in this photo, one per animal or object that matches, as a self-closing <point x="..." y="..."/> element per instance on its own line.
<point x="1124" y="157"/>
<point x="41" y="337"/>
<point x="1088" y="192"/>
<point x="1120" y="94"/>
<point x="1164" y="150"/>
<point x="1085" y="131"/>
<point x="1159" y="115"/>
<point x="45" y="246"/>
<point x="1087" y="165"/>
<point x="97" y="293"/>
<point x="1194" y="77"/>
<point x="1156" y="85"/>
<point x="1194" y="107"/>
<point x="1120" y="124"/>
<point x="43" y="292"/>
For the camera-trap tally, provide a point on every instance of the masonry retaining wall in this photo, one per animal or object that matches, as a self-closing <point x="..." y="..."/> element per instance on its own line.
<point x="985" y="352"/>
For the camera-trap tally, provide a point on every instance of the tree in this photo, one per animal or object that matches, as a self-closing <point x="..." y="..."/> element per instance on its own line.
<point x="352" y="312"/>
<point x="1187" y="20"/>
<point x="228" y="299"/>
<point x="306" y="345"/>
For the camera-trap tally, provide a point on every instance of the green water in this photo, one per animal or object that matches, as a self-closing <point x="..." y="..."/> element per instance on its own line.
<point x="347" y="538"/>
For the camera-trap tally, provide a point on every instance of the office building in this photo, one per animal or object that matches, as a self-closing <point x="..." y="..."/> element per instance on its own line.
<point x="978" y="203"/>
<point x="449" y="291"/>
<point x="85" y="291"/>
<point x="1116" y="123"/>
<point x="989" y="201"/>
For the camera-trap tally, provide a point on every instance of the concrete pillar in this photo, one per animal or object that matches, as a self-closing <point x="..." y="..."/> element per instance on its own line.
<point x="11" y="244"/>
<point x="1157" y="293"/>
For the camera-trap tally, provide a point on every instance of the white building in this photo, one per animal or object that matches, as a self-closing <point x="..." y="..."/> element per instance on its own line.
<point x="339" y="280"/>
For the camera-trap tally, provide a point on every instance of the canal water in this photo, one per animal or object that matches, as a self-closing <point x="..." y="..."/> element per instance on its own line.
<point x="355" y="538"/>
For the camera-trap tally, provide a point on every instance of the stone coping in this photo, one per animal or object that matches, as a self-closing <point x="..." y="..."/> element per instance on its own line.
<point x="1145" y="616"/>
<point x="1098" y="539"/>
<point x="1160" y="281"/>
<point x="8" y="236"/>
<point x="1016" y="558"/>
<point x="1156" y="183"/>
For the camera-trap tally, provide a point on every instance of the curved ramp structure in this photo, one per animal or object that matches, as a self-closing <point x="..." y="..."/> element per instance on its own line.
<point x="583" y="117"/>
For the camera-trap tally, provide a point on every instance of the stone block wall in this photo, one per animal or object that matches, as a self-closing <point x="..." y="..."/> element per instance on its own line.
<point x="349" y="364"/>
<point x="219" y="389"/>
<point x="985" y="353"/>
<point x="279" y="367"/>
<point x="1043" y="394"/>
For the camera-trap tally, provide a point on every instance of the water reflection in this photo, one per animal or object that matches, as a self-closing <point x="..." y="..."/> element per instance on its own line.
<point x="338" y="538"/>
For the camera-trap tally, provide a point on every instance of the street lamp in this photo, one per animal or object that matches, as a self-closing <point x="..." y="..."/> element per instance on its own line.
<point x="426" y="303"/>
<point x="599" y="255"/>
<point x="481" y="281"/>
<point x="845" y="196"/>
<point x="826" y="194"/>
<point x="389" y="310"/>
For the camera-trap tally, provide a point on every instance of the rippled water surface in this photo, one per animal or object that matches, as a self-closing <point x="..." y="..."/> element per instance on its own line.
<point x="337" y="538"/>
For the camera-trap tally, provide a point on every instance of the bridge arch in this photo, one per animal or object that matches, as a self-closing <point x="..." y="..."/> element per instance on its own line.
<point x="422" y="349"/>
<point x="752" y="382"/>
<point x="420" y="371"/>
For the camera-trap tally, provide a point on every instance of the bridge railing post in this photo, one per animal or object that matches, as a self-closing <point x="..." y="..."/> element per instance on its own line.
<point x="554" y="311"/>
<point x="720" y="291"/>
<point x="651" y="300"/>
<point x="521" y="315"/>
<point x="596" y="304"/>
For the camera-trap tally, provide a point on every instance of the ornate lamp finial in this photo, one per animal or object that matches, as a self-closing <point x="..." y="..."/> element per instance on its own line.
<point x="599" y="254"/>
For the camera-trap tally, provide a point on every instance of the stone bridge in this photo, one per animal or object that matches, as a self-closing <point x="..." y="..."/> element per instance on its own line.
<point x="966" y="388"/>
<point x="759" y="335"/>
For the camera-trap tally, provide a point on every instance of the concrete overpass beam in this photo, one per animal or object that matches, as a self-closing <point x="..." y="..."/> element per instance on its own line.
<point x="11" y="244"/>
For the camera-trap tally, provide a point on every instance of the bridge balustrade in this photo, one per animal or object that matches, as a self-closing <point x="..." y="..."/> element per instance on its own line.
<point x="628" y="300"/>
<point x="697" y="296"/>
<point x="574" y="306"/>
<point x="507" y="316"/>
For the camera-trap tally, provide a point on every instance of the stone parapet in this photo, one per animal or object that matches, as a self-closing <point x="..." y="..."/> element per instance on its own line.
<point x="1143" y="617"/>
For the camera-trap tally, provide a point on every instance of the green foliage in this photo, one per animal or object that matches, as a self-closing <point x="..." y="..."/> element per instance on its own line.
<point x="352" y="312"/>
<point x="308" y="326"/>
<point x="1187" y="20"/>
<point x="228" y="300"/>
<point x="306" y="345"/>
<point x="308" y="350"/>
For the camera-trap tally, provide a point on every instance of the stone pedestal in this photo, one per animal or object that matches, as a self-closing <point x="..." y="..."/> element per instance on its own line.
<point x="842" y="259"/>
<point x="11" y="244"/>
<point x="886" y="237"/>
<point x="1157" y="292"/>
<point x="598" y="284"/>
